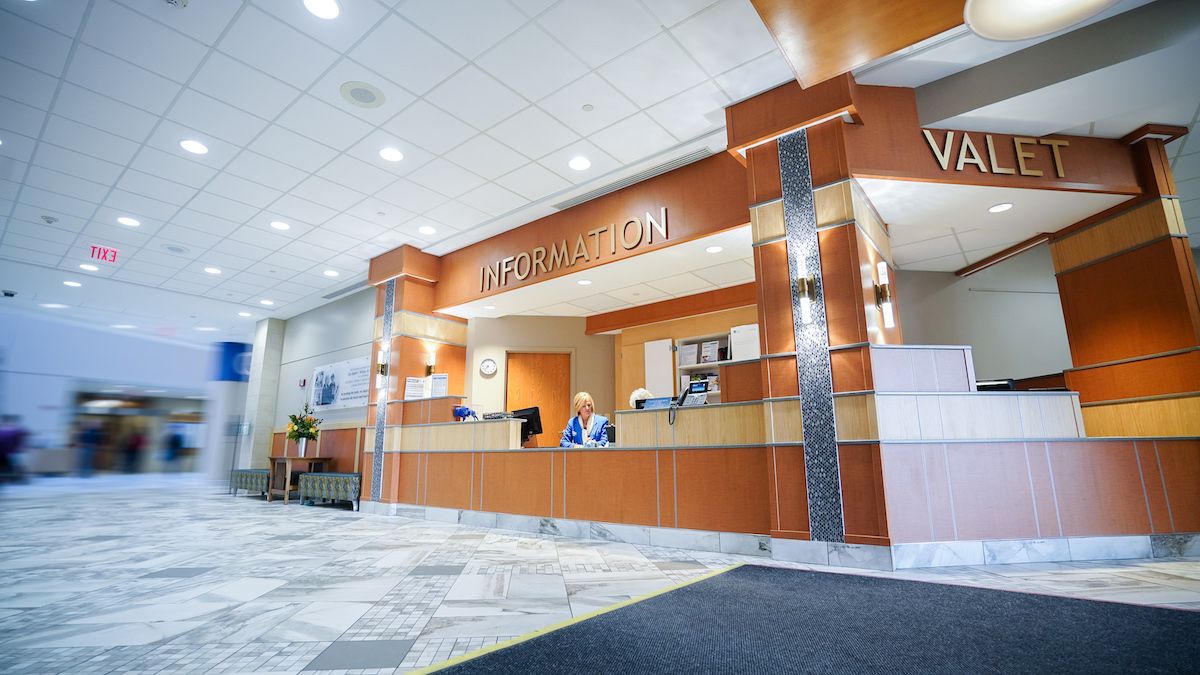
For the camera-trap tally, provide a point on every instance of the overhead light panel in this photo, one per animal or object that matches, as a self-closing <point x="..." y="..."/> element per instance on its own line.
<point x="280" y="225"/>
<point x="89" y="268"/>
<point x="194" y="147"/>
<point x="580" y="163"/>
<point x="1000" y="208"/>
<point x="391" y="154"/>
<point x="427" y="229"/>
<point x="713" y="249"/>
<point x="268" y="303"/>
<point x="323" y="9"/>
<point x="244" y="314"/>
<point x="131" y="222"/>
<point x="1008" y="20"/>
<point x="72" y="284"/>
<point x="212" y="270"/>
<point x="331" y="273"/>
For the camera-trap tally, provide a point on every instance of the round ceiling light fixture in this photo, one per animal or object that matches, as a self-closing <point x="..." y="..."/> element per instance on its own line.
<point x="212" y="270"/>
<point x="123" y="326"/>
<point x="72" y="284"/>
<point x="331" y="273"/>
<point x="1000" y="208"/>
<point x="580" y="163"/>
<point x="89" y="268"/>
<point x="1009" y="20"/>
<point x="280" y="225"/>
<point x="489" y="307"/>
<point x="131" y="222"/>
<point x="205" y="329"/>
<point x="323" y="9"/>
<point x="194" y="147"/>
<point x="268" y="303"/>
<point x="53" y="305"/>
<point x="362" y="94"/>
<point x="584" y="282"/>
<point x="243" y="314"/>
<point x="713" y="249"/>
<point x="391" y="154"/>
<point x="175" y="248"/>
<point x="427" y="229"/>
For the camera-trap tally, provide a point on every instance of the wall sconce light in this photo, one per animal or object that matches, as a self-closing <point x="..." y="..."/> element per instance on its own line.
<point x="381" y="364"/>
<point x="883" y="296"/>
<point x="430" y="362"/>
<point x="806" y="290"/>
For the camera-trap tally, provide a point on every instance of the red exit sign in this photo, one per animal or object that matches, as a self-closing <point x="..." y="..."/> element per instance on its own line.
<point x="104" y="253"/>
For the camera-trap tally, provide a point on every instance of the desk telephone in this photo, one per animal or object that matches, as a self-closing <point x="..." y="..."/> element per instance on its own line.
<point x="695" y="394"/>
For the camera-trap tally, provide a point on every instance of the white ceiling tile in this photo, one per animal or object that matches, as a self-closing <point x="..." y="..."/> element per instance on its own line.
<point x="476" y="97"/>
<point x="276" y="48"/>
<point x="28" y="256"/>
<point x="23" y="119"/>
<point x="766" y="72"/>
<point x="227" y="261"/>
<point x="8" y="192"/>
<point x="598" y="303"/>
<point x="34" y="45"/>
<point x="168" y="135"/>
<point x="260" y="238"/>
<point x="188" y="236"/>
<point x="409" y="195"/>
<point x="696" y="111"/>
<point x="72" y="135"/>
<point x="633" y="138"/>
<point x="154" y="187"/>
<point x="287" y="261"/>
<point x="493" y="199"/>
<point x="222" y="208"/>
<point x="367" y="150"/>
<point x="653" y="71"/>
<point x="355" y="19"/>
<point x="126" y="240"/>
<point x="936" y="247"/>
<point x="104" y="113"/>
<point x="56" y="202"/>
<point x="457" y="216"/>
<point x="184" y="286"/>
<point x="65" y="184"/>
<point x="26" y="85"/>
<point x="988" y="239"/>
<point x="120" y="80"/>
<point x="348" y="263"/>
<point x="107" y="216"/>
<point x="242" y="190"/>
<point x="215" y="118"/>
<point x="380" y="212"/>
<point x="241" y="249"/>
<point x="263" y="222"/>
<point x="205" y="222"/>
<point x="294" y="288"/>
<point x="208" y="281"/>
<point x="726" y="274"/>
<point x="406" y="56"/>
<point x="532" y="63"/>
<point x="355" y="228"/>
<point x="671" y="12"/>
<point x="680" y="284"/>
<point x="240" y="287"/>
<point x="599" y="31"/>
<point x="469" y="27"/>
<point x="265" y="170"/>
<point x="204" y="26"/>
<point x="446" y="178"/>
<point x="487" y="157"/>
<point x="429" y="127"/>
<point x="231" y="296"/>
<point x="158" y="48"/>
<point x="34" y="215"/>
<point x="725" y="36"/>
<point x="33" y="244"/>
<point x="240" y="85"/>
<point x="307" y="251"/>
<point x="367" y="250"/>
<point x="564" y="309"/>
<point x="173" y="167"/>
<point x="324" y="123"/>
<point x="63" y="17"/>
<point x="329" y="90"/>
<point x="949" y="263"/>
<point x="533" y="132"/>
<point x="303" y="210"/>
<point x="332" y="241"/>
<point x="1187" y="166"/>
<point x="356" y="174"/>
<point x="328" y="193"/>
<point x="533" y="182"/>
<point x="608" y="104"/>
<point x="533" y="7"/>
<point x="390" y="240"/>
<point x="292" y="149"/>
<point x="557" y="161"/>
<point x="41" y="231"/>
<point x="138" y="204"/>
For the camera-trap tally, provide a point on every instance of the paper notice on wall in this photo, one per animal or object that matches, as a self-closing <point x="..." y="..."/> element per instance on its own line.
<point x="345" y="384"/>
<point x="414" y="387"/>
<point x="709" y="351"/>
<point x="743" y="342"/>
<point x="439" y="385"/>
<point x="688" y="354"/>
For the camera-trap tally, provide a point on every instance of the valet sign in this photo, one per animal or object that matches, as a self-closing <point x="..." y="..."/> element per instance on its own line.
<point x="104" y="254"/>
<point x="955" y="152"/>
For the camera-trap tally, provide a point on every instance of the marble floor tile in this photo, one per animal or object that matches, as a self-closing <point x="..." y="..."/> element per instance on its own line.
<point x="362" y="655"/>
<point x="316" y="622"/>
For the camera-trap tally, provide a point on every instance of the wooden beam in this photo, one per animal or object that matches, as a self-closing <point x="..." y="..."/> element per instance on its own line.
<point x="675" y="308"/>
<point x="1001" y="256"/>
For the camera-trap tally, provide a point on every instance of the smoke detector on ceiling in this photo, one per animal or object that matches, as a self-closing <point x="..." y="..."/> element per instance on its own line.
<point x="175" y="248"/>
<point x="178" y="3"/>
<point x="362" y="94"/>
<point x="49" y="220"/>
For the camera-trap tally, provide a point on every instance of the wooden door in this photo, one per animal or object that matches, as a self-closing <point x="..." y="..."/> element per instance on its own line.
<point x="541" y="379"/>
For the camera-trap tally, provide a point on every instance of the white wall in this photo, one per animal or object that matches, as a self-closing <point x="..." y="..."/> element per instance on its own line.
<point x="592" y="367"/>
<point x="44" y="360"/>
<point x="339" y="331"/>
<point x="1010" y="313"/>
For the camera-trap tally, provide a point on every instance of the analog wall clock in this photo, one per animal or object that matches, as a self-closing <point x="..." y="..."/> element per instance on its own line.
<point x="487" y="366"/>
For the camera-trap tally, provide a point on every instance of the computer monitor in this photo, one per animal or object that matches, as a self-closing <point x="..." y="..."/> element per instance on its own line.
<point x="533" y="422"/>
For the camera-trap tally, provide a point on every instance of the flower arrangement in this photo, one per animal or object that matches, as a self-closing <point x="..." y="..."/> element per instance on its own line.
<point x="303" y="425"/>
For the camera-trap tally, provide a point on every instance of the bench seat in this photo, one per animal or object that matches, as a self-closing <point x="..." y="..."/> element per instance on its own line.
<point x="331" y="485"/>
<point x="250" y="480"/>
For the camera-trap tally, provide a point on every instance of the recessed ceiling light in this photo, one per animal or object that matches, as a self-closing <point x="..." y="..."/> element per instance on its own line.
<point x="331" y="273"/>
<point x="194" y="147"/>
<point x="713" y="249"/>
<point x="53" y="305"/>
<point x="212" y="270"/>
<point x="243" y="313"/>
<point x="122" y="325"/>
<point x="1000" y="208"/>
<point x="131" y="222"/>
<point x="206" y="329"/>
<point x="588" y="107"/>
<point x="72" y="284"/>
<point x="584" y="282"/>
<point x="280" y="225"/>
<point x="427" y="229"/>
<point x="323" y="9"/>
<point x="580" y="163"/>
<point x="489" y="307"/>
<point x="391" y="154"/>
<point x="89" y="268"/>
<point x="268" y="303"/>
<point x="362" y="94"/>
<point x="1007" y="20"/>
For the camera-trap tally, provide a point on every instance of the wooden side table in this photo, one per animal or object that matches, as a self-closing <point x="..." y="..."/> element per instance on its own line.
<point x="280" y="482"/>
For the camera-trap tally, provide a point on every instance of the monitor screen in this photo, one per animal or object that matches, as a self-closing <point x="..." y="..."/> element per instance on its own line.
<point x="533" y="422"/>
<point x="698" y="387"/>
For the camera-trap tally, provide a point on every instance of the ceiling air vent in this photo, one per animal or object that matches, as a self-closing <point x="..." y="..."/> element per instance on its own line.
<point x="635" y="178"/>
<point x="358" y="286"/>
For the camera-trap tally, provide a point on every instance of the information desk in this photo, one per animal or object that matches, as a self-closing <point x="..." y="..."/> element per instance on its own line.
<point x="280" y="481"/>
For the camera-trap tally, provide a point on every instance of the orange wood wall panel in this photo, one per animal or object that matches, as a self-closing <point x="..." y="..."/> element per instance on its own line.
<point x="1156" y="494"/>
<point x="863" y="507"/>
<point x="776" y="333"/>
<point x="941" y="508"/>
<point x="867" y="264"/>
<point x="1099" y="489"/>
<point x="1050" y="381"/>
<point x="906" y="492"/>
<point x="414" y="295"/>
<point x="279" y="444"/>
<point x="448" y="479"/>
<point x="842" y="285"/>
<point x="1174" y="374"/>
<point x="991" y="492"/>
<point x="782" y="377"/>
<point x="558" y="482"/>
<point x="741" y="382"/>
<point x="1133" y="304"/>
<point x="676" y="308"/>
<point x="827" y="153"/>
<point x="541" y="379"/>
<point x="723" y="490"/>
<point x="612" y="486"/>
<point x="666" y="489"/>
<point x="1043" y="490"/>
<point x="788" y="492"/>
<point x="367" y="471"/>
<point x="405" y="472"/>
<point x="340" y="445"/>
<point x="407" y="260"/>
<point x="517" y="482"/>
<point x="786" y="108"/>
<point x="1180" y="461"/>
<point x="763" y="177"/>
<point x="851" y="369"/>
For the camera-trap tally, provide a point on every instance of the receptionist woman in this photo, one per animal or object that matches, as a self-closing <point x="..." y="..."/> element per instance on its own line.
<point x="586" y="428"/>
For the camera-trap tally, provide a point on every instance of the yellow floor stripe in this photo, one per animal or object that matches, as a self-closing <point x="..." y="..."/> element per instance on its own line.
<point x="563" y="624"/>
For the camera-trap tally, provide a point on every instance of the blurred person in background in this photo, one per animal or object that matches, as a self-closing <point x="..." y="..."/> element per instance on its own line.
<point x="131" y="454"/>
<point x="12" y="440"/>
<point x="172" y="447"/>
<point x="91" y="437"/>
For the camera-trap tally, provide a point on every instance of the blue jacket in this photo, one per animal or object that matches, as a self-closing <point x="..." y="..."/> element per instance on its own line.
<point x="573" y="434"/>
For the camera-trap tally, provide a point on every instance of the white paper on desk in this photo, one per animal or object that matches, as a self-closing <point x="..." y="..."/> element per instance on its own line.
<point x="743" y="342"/>
<point x="439" y="385"/>
<point x="414" y="387"/>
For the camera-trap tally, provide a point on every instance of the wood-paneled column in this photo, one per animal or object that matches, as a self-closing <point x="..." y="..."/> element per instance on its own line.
<point x="1131" y="301"/>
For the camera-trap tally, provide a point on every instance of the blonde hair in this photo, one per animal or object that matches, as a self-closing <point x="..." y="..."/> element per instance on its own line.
<point x="580" y="398"/>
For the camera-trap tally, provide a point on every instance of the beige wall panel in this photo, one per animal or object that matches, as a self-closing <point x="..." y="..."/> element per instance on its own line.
<point x="978" y="416"/>
<point x="1032" y="424"/>
<point x="929" y="415"/>
<point x="784" y="422"/>
<point x="425" y="326"/>
<point x="868" y="221"/>
<point x="766" y="221"/>
<point x="1061" y="416"/>
<point x="833" y="204"/>
<point x="1145" y="223"/>
<point x="369" y="443"/>
<point x="719" y="425"/>
<point x="898" y="417"/>
<point x="640" y="429"/>
<point x="412" y="440"/>
<point x="855" y="417"/>
<point x="497" y="436"/>
<point x="378" y="330"/>
<point x="457" y="436"/>
<point x="1161" y="417"/>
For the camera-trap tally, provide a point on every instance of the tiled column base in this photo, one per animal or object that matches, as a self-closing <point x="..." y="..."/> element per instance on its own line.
<point x="1004" y="552"/>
